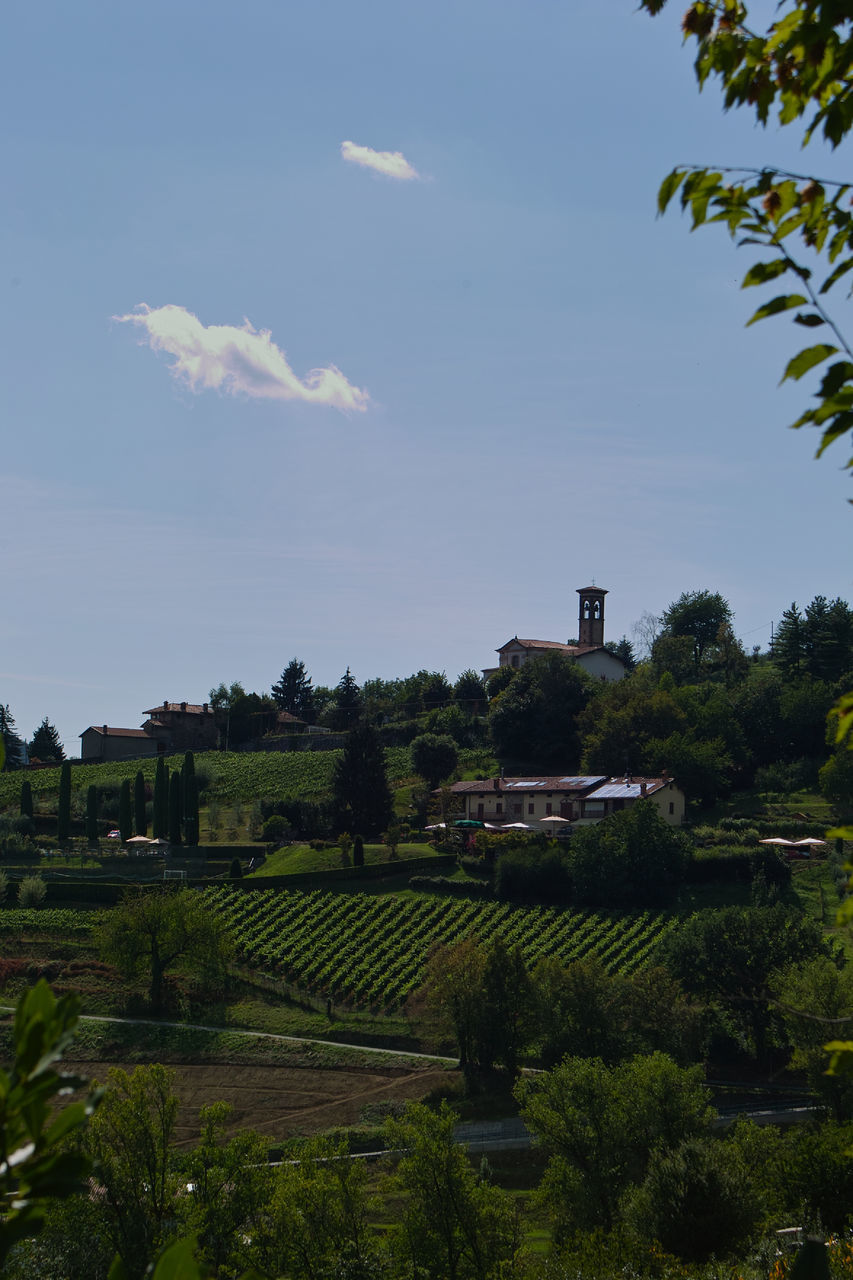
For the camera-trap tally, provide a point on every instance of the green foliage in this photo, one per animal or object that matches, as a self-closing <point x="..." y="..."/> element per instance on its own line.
<point x="697" y="616"/>
<point x="92" y="814"/>
<point x="38" y="1165"/>
<point x="12" y="754"/>
<point x="161" y="800"/>
<point x="26" y="803"/>
<point x="293" y="692"/>
<point x="534" y="722"/>
<point x="128" y="1140"/>
<point x="63" y="820"/>
<point x="176" y="806"/>
<point x="149" y="932"/>
<point x="45" y="744"/>
<point x="190" y="800"/>
<point x="358" y="851"/>
<point x="125" y="816"/>
<point x="601" y="1125"/>
<point x="276" y="829"/>
<point x="32" y="891"/>
<point x="729" y="957"/>
<point x="371" y="950"/>
<point x="815" y="1000"/>
<point x="139" y="802"/>
<point x="434" y="757"/>
<point x="695" y="1201"/>
<point x="470" y="692"/>
<point x="632" y="858"/>
<point x="452" y="1223"/>
<point x="800" y="65"/>
<point x="345" y="711"/>
<point x="360" y="787"/>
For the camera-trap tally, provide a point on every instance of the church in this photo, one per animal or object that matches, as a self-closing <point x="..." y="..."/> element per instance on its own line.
<point x="589" y="652"/>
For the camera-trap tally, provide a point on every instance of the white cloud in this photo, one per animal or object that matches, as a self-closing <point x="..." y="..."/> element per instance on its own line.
<point x="245" y="360"/>
<point x="392" y="163"/>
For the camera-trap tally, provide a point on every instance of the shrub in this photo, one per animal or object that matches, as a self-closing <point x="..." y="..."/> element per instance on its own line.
<point x="358" y="851"/>
<point x="235" y="871"/>
<point x="17" y="846"/>
<point x="276" y="829"/>
<point x="533" y="875"/>
<point x="4" y="885"/>
<point x="32" y="891"/>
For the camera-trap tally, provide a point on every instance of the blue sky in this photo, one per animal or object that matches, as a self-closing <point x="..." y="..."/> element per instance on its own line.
<point x="559" y="386"/>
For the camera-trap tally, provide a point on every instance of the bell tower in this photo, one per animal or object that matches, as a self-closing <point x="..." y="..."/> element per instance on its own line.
<point x="591" y="615"/>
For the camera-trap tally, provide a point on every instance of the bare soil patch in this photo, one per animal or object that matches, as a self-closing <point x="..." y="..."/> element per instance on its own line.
<point x="286" y="1102"/>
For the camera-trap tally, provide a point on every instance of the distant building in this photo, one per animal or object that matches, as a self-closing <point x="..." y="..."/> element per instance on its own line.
<point x="577" y="799"/>
<point x="171" y="727"/>
<point x="589" y="652"/>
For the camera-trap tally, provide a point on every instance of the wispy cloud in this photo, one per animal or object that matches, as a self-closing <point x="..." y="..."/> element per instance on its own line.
<point x="241" y="360"/>
<point x="392" y="163"/>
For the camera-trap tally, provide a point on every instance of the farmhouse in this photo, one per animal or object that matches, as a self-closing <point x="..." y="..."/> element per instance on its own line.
<point x="589" y="652"/>
<point x="170" y="727"/>
<point x="578" y="799"/>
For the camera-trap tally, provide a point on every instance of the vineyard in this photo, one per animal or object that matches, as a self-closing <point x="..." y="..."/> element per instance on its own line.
<point x="230" y="777"/>
<point x="370" y="951"/>
<point x="31" y="921"/>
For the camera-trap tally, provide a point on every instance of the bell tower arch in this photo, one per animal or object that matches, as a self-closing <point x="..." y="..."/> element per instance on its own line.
<point x="591" y="615"/>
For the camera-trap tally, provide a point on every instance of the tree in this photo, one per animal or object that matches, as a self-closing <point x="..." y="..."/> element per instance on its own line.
<point x="190" y="795"/>
<point x="92" y="814"/>
<point x="139" y="816"/>
<point x="470" y="692"/>
<point x="26" y="802"/>
<point x="453" y="1225"/>
<point x="533" y="723"/>
<point x="345" y="712"/>
<point x="128" y="1139"/>
<point x="125" y="820"/>
<point x="45" y="743"/>
<point x="788" y="650"/>
<point x="63" y="819"/>
<point x="729" y="955"/>
<point x="800" y="65"/>
<point x="149" y="932"/>
<point x="696" y="616"/>
<point x="362" y="796"/>
<point x="816" y="1003"/>
<point x="176" y="805"/>
<point x="601" y="1124"/>
<point x="631" y="857"/>
<point x="434" y="757"/>
<point x="452" y="986"/>
<point x="293" y="691"/>
<point x="160" y="825"/>
<point x="13" y="747"/>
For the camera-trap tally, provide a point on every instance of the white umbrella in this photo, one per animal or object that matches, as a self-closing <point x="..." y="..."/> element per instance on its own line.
<point x="807" y="840"/>
<point x="778" y="840"/>
<point x="491" y="826"/>
<point x="436" y="826"/>
<point x="138" y="840"/>
<point x="516" y="826"/>
<point x="553" y="817"/>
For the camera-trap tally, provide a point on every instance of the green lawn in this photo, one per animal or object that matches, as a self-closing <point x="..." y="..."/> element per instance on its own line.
<point x="301" y="857"/>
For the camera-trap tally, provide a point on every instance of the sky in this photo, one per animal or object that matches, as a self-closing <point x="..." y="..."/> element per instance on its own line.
<point x="349" y="333"/>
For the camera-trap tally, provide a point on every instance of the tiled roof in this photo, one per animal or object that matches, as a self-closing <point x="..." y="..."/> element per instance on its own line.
<point x="571" y="650"/>
<point x="115" y="733"/>
<point x="287" y="717"/>
<point x="190" y="708"/>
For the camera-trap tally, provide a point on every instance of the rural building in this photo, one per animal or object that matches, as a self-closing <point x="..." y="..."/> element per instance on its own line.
<point x="578" y="799"/>
<point x="182" y="726"/>
<point x="589" y="652"/>
<point x="101" y="742"/>
<point x="170" y="728"/>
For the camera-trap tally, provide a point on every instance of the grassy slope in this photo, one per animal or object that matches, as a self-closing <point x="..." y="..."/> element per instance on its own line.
<point x="301" y="857"/>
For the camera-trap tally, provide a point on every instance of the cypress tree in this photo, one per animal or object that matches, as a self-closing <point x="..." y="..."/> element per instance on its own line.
<point x="358" y="851"/>
<point x="140" y="821"/>
<point x="92" y="814"/>
<point x="125" y="824"/>
<point x="161" y="800"/>
<point x="175" y="807"/>
<point x="63" y="818"/>
<point x="26" y="799"/>
<point x="190" y="789"/>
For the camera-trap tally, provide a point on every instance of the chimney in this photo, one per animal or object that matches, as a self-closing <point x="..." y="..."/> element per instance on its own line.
<point x="204" y="707"/>
<point x="105" y="729"/>
<point x="642" y="788"/>
<point x="497" y="784"/>
<point x="183" y="706"/>
<point x="165" y="704"/>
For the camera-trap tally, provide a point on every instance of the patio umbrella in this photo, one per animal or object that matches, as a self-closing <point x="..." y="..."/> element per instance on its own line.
<point x="516" y="826"/>
<point x="470" y="822"/>
<point x="138" y="840"/>
<point x="778" y="840"/>
<point x="809" y="840"/>
<point x="553" y="817"/>
<point x="491" y="826"/>
<point x="436" y="826"/>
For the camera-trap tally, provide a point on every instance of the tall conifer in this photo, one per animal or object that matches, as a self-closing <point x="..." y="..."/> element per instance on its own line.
<point x="140" y="821"/>
<point x="175" y="807"/>
<point x="92" y="814"/>
<point x="63" y="818"/>
<point x="161" y="800"/>
<point x="26" y="799"/>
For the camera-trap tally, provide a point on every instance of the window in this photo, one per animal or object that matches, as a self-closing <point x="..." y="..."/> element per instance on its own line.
<point x="499" y="807"/>
<point x="530" y="808"/>
<point x="515" y="659"/>
<point x="672" y="806"/>
<point x="547" y="810"/>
